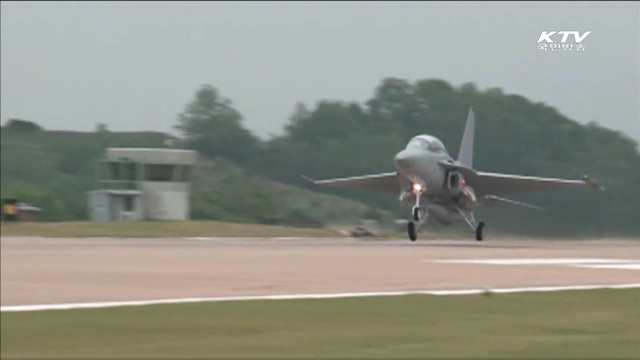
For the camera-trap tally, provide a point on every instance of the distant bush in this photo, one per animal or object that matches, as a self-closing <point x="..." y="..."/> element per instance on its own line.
<point x="302" y="218"/>
<point x="22" y="126"/>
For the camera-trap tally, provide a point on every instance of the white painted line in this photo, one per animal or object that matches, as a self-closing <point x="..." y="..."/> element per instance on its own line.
<point x="202" y="238"/>
<point x="534" y="289"/>
<point x="20" y="308"/>
<point x="635" y="266"/>
<point x="534" y="261"/>
<point x="222" y="238"/>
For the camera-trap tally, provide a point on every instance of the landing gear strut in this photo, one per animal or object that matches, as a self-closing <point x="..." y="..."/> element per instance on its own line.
<point x="413" y="227"/>
<point x="418" y="220"/>
<point x="416" y="213"/>
<point x="471" y="221"/>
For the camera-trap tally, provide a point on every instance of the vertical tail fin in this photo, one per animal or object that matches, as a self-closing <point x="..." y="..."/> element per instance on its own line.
<point x="465" y="155"/>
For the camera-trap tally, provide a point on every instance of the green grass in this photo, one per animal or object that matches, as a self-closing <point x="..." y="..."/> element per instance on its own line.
<point x="159" y="229"/>
<point x="593" y="324"/>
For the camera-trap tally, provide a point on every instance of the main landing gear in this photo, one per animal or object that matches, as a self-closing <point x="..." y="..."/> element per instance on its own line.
<point x="412" y="227"/>
<point x="471" y="221"/>
<point x="480" y="231"/>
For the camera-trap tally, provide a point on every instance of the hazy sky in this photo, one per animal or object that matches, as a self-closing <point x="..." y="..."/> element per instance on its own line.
<point x="134" y="65"/>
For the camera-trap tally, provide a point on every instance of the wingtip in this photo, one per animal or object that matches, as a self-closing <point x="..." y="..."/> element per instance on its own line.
<point x="591" y="182"/>
<point x="307" y="178"/>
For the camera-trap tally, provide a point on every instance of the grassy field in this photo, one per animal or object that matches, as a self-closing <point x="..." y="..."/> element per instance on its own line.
<point x="593" y="324"/>
<point x="159" y="229"/>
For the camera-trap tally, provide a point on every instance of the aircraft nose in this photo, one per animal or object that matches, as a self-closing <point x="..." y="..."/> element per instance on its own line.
<point x="405" y="159"/>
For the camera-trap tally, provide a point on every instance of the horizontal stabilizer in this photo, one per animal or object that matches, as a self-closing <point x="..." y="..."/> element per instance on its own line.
<point x="495" y="199"/>
<point x="383" y="182"/>
<point x="308" y="179"/>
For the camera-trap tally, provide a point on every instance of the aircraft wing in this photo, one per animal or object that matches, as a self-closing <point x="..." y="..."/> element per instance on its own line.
<point x="487" y="183"/>
<point x="383" y="182"/>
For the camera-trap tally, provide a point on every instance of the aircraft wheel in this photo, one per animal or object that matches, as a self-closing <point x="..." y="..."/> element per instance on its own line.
<point x="480" y="231"/>
<point x="411" y="228"/>
<point x="416" y="213"/>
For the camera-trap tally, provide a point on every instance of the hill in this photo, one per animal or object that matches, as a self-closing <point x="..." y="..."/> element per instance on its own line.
<point x="54" y="169"/>
<point x="513" y="135"/>
<point x="242" y="178"/>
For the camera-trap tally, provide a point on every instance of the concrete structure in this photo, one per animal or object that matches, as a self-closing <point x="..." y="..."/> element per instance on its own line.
<point x="115" y="205"/>
<point x="142" y="184"/>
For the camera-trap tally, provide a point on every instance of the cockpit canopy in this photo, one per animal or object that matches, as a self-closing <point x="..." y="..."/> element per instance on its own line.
<point x="427" y="142"/>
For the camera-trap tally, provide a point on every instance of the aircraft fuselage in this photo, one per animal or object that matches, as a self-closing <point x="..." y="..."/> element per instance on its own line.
<point x="418" y="164"/>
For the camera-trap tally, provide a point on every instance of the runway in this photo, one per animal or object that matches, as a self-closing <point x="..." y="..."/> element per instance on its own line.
<point x="62" y="271"/>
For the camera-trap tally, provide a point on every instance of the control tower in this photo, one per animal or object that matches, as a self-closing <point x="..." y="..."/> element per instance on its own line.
<point x="142" y="184"/>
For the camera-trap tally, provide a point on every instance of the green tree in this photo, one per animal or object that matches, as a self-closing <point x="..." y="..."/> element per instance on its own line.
<point x="213" y="127"/>
<point x="513" y="135"/>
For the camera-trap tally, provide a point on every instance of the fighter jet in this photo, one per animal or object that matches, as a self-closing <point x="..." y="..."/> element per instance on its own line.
<point x="438" y="186"/>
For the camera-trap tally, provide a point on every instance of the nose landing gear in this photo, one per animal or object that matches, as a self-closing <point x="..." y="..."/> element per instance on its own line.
<point x="417" y="217"/>
<point x="411" y="228"/>
<point x="416" y="213"/>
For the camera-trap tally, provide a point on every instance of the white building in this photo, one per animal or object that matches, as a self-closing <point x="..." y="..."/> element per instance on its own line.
<point x="142" y="184"/>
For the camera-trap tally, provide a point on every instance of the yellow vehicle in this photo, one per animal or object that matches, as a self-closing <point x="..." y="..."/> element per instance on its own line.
<point x="10" y="209"/>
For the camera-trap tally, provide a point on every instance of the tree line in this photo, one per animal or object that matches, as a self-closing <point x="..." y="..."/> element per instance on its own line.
<point x="335" y="138"/>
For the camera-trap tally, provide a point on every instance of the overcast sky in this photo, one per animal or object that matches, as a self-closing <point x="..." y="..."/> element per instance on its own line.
<point x="134" y="65"/>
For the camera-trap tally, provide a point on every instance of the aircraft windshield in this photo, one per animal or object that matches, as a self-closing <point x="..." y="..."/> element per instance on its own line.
<point x="418" y="143"/>
<point x="427" y="143"/>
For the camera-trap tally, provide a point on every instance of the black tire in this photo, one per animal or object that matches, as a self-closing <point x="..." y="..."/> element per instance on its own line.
<point x="416" y="213"/>
<point x="480" y="232"/>
<point x="411" y="229"/>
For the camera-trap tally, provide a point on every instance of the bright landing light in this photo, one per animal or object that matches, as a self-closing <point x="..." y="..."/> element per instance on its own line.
<point x="417" y="187"/>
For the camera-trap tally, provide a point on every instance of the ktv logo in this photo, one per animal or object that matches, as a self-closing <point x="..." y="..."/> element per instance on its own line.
<point x="546" y="41"/>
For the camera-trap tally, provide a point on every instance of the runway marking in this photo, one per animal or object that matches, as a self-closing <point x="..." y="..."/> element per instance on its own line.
<point x="633" y="266"/>
<point x="212" y="238"/>
<point x="22" y="308"/>
<point x="535" y="261"/>
<point x="617" y="264"/>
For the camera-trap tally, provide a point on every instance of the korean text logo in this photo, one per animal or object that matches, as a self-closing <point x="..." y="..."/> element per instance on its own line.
<point x="559" y="41"/>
